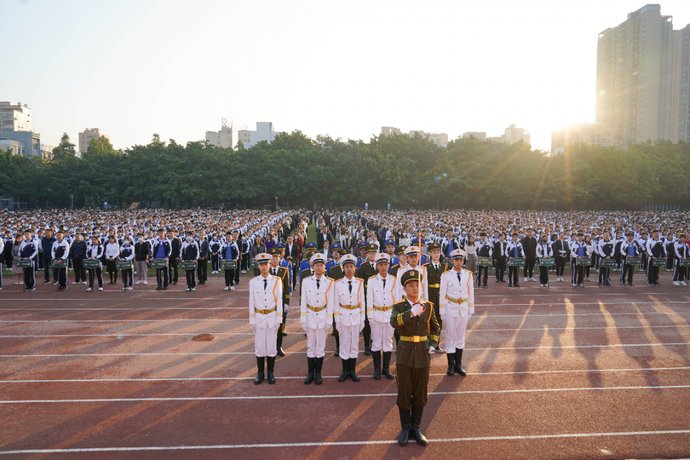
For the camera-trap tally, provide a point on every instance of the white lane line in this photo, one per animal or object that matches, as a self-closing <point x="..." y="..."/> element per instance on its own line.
<point x="150" y="309"/>
<point x="344" y="395"/>
<point x="161" y="320"/>
<point x="251" y="378"/>
<point x="368" y="442"/>
<point x="328" y="352"/>
<point x="470" y="330"/>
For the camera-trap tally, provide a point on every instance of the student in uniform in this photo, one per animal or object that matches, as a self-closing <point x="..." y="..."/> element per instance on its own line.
<point x="59" y="254"/>
<point x="578" y="250"/>
<point x="680" y="251"/>
<point x="29" y="250"/>
<point x="499" y="256"/>
<point x="190" y="252"/>
<point x="606" y="252"/>
<point x="161" y="250"/>
<point x="204" y="253"/>
<point x="561" y="252"/>
<point x="655" y="250"/>
<point x="112" y="251"/>
<point x="77" y="252"/>
<point x="544" y="250"/>
<point x="214" y="247"/>
<point x="95" y="252"/>
<point x="142" y="254"/>
<point x="629" y="248"/>
<point x="230" y="251"/>
<point x="484" y="249"/>
<point x="127" y="255"/>
<point x="514" y="250"/>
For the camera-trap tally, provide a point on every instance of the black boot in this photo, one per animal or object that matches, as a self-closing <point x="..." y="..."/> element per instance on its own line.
<point x="377" y="364"/>
<point x="310" y="372"/>
<point x="337" y="343"/>
<point x="386" y="365"/>
<point x="367" y="343"/>
<point x="353" y="372"/>
<point x="271" y="362"/>
<point x="416" y="422"/>
<point x="317" y="371"/>
<point x="405" y="418"/>
<point x="451" y="364"/>
<point x="458" y="363"/>
<point x="345" y="372"/>
<point x="279" y="341"/>
<point x="260" y="366"/>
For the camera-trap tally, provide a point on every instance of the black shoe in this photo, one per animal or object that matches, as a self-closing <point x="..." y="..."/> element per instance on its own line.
<point x="318" y="365"/>
<point x="279" y="341"/>
<point x="386" y="365"/>
<point x="405" y="420"/>
<point x="310" y="372"/>
<point x="416" y="430"/>
<point x="510" y="284"/>
<point x="458" y="369"/>
<point x="451" y="364"/>
<point x="367" y="351"/>
<point x="353" y="372"/>
<point x="377" y="364"/>
<point x="344" y="373"/>
<point x="260" y="374"/>
<point x="271" y="363"/>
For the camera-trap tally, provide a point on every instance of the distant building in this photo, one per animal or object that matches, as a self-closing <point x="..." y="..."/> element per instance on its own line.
<point x="643" y="79"/>
<point x="264" y="132"/>
<point x="513" y="135"/>
<point x="47" y="151"/>
<point x="585" y="133"/>
<point x="14" y="147"/>
<point x="479" y="135"/>
<point x="15" y="117"/>
<point x="88" y="135"/>
<point x="440" y="139"/>
<point x="31" y="142"/>
<point x="222" y="138"/>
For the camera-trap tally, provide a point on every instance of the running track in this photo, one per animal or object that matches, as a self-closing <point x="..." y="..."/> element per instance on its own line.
<point x="553" y="373"/>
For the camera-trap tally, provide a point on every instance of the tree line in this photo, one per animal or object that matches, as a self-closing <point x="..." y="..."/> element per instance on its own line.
<point x="401" y="170"/>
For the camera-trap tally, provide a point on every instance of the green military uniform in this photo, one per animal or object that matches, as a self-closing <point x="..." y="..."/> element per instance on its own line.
<point x="413" y="362"/>
<point x="365" y="271"/>
<point x="434" y="285"/>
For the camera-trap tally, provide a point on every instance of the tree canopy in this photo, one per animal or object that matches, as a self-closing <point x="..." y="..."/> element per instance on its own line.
<point x="405" y="171"/>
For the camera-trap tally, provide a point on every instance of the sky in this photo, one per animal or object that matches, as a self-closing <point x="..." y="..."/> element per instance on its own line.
<point x="344" y="69"/>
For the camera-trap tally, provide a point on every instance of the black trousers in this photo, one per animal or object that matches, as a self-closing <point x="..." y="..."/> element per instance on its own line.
<point x="173" y="269"/>
<point x="543" y="275"/>
<point x="578" y="272"/>
<point x="29" y="278"/>
<point x="604" y="276"/>
<point x="483" y="275"/>
<point x="127" y="277"/>
<point x="560" y="265"/>
<point x="627" y="272"/>
<point x="229" y="277"/>
<point x="79" y="272"/>
<point x="62" y="276"/>
<point x="162" y="277"/>
<point x="652" y="273"/>
<point x="513" y="276"/>
<point x="215" y="262"/>
<point x="412" y="386"/>
<point x="112" y="270"/>
<point x="528" y="270"/>
<point x="500" y="268"/>
<point x="46" y="269"/>
<point x="98" y="274"/>
<point x="202" y="270"/>
<point x="679" y="273"/>
<point x="191" y="281"/>
<point x="245" y="262"/>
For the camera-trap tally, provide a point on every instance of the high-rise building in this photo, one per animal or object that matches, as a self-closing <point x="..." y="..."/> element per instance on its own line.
<point x="88" y="135"/>
<point x="440" y="139"/>
<point x="264" y="132"/>
<point x="15" y="117"/>
<point x="222" y="138"/>
<point x="572" y="136"/>
<point x="642" y="72"/>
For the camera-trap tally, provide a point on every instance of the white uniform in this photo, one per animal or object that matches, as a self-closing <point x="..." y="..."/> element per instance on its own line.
<point x="265" y="313"/>
<point x="399" y="293"/>
<point x="380" y="295"/>
<point x="457" y="305"/>
<point x="316" y="312"/>
<point x="349" y="313"/>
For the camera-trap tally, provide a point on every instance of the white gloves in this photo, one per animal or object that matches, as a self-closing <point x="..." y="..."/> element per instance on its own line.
<point x="416" y="309"/>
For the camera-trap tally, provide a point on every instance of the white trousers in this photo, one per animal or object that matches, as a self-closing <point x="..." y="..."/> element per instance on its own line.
<point x="381" y="336"/>
<point x="349" y="341"/>
<point x="316" y="343"/>
<point x="454" y="332"/>
<point x="265" y="342"/>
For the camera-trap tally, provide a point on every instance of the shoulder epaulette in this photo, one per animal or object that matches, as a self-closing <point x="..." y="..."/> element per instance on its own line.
<point x="373" y="276"/>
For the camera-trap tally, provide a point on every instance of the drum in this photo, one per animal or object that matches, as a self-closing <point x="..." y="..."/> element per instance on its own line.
<point x="610" y="264"/>
<point x="547" y="262"/>
<point x="516" y="262"/>
<point x="159" y="263"/>
<point x="58" y="263"/>
<point x="632" y="260"/>
<point x="227" y="264"/>
<point x="484" y="261"/>
<point x="584" y="262"/>
<point x="660" y="262"/>
<point x="123" y="264"/>
<point x="685" y="262"/>
<point x="188" y="264"/>
<point x="23" y="262"/>
<point x="92" y="264"/>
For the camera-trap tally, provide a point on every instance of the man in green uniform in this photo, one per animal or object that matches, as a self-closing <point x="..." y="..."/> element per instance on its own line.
<point x="416" y="323"/>
<point x="431" y="279"/>
<point x="284" y="274"/>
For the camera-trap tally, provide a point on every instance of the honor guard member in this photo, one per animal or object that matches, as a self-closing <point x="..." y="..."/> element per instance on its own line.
<point x="59" y="253"/>
<point x="484" y="249"/>
<point x="284" y="274"/>
<point x="29" y="250"/>
<point x="544" y="250"/>
<point x="514" y="250"/>
<point x="230" y="251"/>
<point x="431" y="279"/>
<point x="629" y="248"/>
<point x="336" y="252"/>
<point x="655" y="250"/>
<point x="161" y="250"/>
<point x="499" y="256"/>
<point x="265" y="313"/>
<point x="680" y="249"/>
<point x="380" y="292"/>
<point x="579" y="250"/>
<point x="190" y="252"/>
<point x="412" y="256"/>
<point x="95" y="252"/>
<point x="414" y="319"/>
<point x="362" y="249"/>
<point x="606" y="252"/>
<point x="305" y="266"/>
<point x="349" y="313"/>
<point x="335" y="272"/>
<point x="457" y="306"/>
<point x="316" y="314"/>
<point x="390" y="250"/>
<point x="366" y="270"/>
<point x="127" y="255"/>
<point x="401" y="261"/>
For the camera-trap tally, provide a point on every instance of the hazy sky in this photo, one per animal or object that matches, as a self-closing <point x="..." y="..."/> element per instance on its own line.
<point x="135" y="67"/>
